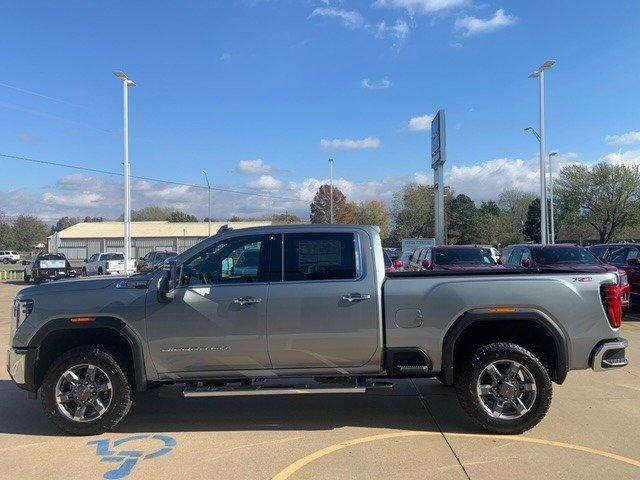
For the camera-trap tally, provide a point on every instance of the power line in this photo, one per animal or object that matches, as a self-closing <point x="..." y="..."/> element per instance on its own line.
<point x="151" y="179"/>
<point x="41" y="95"/>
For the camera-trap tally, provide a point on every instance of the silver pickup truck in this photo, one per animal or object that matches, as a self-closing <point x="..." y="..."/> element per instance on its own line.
<point x="290" y="309"/>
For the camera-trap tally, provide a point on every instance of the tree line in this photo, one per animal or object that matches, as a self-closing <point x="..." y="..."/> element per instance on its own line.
<point x="602" y="201"/>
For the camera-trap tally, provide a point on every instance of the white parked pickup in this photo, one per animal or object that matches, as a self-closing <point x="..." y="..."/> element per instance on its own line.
<point x="105" y="263"/>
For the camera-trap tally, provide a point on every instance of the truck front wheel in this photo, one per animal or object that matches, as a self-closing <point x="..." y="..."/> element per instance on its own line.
<point x="504" y="388"/>
<point x="86" y="392"/>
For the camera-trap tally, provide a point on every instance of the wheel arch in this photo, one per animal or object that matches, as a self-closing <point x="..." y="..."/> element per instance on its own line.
<point x="60" y="335"/>
<point x="485" y="318"/>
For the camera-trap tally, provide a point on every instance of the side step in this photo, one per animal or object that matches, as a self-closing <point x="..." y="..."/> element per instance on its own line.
<point x="287" y="388"/>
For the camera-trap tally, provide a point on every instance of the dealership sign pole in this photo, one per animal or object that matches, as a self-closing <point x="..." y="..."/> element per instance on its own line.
<point x="438" y="157"/>
<point x="126" y="82"/>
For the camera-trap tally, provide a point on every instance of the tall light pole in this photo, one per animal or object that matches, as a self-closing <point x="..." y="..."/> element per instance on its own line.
<point x="552" y="220"/>
<point x="126" y="83"/>
<point x="331" y="191"/>
<point x="209" y="188"/>
<point x="539" y="74"/>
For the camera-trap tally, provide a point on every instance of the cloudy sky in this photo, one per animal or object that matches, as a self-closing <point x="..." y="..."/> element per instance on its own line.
<point x="261" y="93"/>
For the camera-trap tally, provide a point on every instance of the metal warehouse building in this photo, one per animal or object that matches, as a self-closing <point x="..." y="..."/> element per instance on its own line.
<point x="82" y="240"/>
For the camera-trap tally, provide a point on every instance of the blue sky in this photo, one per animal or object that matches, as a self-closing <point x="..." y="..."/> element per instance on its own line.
<point x="249" y="89"/>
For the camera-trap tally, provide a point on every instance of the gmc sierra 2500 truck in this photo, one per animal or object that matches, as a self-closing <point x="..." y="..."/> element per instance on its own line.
<point x="285" y="309"/>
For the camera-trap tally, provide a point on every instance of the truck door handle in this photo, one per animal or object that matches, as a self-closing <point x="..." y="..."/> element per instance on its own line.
<point x="247" y="300"/>
<point x="356" y="297"/>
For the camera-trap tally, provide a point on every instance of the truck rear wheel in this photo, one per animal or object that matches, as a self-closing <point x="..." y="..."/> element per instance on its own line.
<point x="504" y="388"/>
<point x="86" y="392"/>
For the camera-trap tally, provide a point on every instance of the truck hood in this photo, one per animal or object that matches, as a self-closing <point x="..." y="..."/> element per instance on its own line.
<point x="77" y="284"/>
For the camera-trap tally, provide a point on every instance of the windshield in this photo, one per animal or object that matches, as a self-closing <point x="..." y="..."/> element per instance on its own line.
<point x="113" y="256"/>
<point x="462" y="256"/>
<point x="553" y="256"/>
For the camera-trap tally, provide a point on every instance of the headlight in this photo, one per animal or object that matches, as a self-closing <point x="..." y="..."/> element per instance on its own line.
<point x="21" y="310"/>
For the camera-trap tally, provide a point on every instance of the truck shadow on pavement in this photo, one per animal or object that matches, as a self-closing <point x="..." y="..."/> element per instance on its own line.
<point x="164" y="410"/>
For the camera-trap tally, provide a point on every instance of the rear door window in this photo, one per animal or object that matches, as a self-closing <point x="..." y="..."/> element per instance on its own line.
<point x="619" y="256"/>
<point x="319" y="256"/>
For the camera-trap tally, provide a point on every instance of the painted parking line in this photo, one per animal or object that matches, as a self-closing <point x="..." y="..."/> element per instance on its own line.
<point x="154" y="446"/>
<point x="312" y="457"/>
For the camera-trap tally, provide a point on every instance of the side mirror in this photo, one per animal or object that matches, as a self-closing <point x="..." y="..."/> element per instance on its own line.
<point x="526" y="263"/>
<point x="426" y="264"/>
<point x="398" y="263"/>
<point x="633" y="262"/>
<point x="167" y="281"/>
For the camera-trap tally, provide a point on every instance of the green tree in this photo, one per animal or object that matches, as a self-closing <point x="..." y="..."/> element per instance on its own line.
<point x="374" y="212"/>
<point x="413" y="213"/>
<point x="514" y="205"/>
<point x="8" y="239"/>
<point x="606" y="196"/>
<point x="463" y="220"/>
<point x="532" y="224"/>
<point x="284" y="218"/>
<point x="29" y="231"/>
<point x="177" y="216"/>
<point x="64" y="222"/>
<point x="489" y="221"/>
<point x="343" y="211"/>
<point x="490" y="208"/>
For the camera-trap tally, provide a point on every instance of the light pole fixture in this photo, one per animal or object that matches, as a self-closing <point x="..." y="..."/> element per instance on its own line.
<point x="539" y="74"/>
<point x="331" y="191"/>
<point x="532" y="130"/>
<point x="208" y="188"/>
<point x="126" y="83"/>
<point x="552" y="219"/>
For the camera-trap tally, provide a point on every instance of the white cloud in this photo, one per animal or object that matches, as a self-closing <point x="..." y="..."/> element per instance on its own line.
<point x="85" y="199"/>
<point x="470" y="25"/>
<point x="456" y="45"/>
<point x="420" y="124"/>
<point x="225" y="56"/>
<point x="30" y="138"/>
<point x="253" y="167"/>
<point x="349" y="18"/>
<point x="399" y="30"/>
<point x="623" y="140"/>
<point x="375" y="85"/>
<point x="420" y="6"/>
<point x="630" y="158"/>
<point x="266" y="182"/>
<point x="349" y="144"/>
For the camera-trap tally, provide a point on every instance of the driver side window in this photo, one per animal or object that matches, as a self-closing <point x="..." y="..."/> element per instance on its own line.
<point x="231" y="261"/>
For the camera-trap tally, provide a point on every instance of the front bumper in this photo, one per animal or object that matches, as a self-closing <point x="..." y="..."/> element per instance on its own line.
<point x="21" y="366"/>
<point x="609" y="354"/>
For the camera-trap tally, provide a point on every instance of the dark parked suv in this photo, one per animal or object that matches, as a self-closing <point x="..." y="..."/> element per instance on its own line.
<point x="152" y="259"/>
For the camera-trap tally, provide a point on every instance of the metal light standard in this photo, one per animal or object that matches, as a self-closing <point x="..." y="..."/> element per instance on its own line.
<point x="209" y="188"/>
<point x="552" y="219"/>
<point x="331" y="191"/>
<point x="539" y="74"/>
<point x="126" y="83"/>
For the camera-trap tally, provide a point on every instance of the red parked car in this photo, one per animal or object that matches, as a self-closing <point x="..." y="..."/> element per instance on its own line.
<point x="453" y="257"/>
<point x="563" y="257"/>
<point x="625" y="256"/>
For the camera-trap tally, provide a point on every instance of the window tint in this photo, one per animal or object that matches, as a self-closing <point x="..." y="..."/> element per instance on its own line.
<point x="112" y="256"/>
<point x="559" y="255"/>
<point x="597" y="250"/>
<point x="526" y="255"/>
<point x="461" y="256"/>
<point x="633" y="253"/>
<point x="514" y="258"/>
<point x="235" y="260"/>
<point x="319" y="256"/>
<point x="618" y="255"/>
<point x="94" y="257"/>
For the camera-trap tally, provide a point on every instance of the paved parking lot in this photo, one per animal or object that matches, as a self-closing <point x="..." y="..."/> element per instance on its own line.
<point x="418" y="431"/>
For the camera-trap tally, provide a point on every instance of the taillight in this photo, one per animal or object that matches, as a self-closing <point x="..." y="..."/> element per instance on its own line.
<point x="106" y="265"/>
<point x="44" y="271"/>
<point x="612" y="304"/>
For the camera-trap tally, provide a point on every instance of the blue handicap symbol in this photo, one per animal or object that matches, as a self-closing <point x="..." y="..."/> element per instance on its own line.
<point x="158" y="446"/>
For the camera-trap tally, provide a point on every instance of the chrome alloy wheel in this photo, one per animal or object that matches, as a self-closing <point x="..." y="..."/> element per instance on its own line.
<point x="506" y="389"/>
<point x="83" y="393"/>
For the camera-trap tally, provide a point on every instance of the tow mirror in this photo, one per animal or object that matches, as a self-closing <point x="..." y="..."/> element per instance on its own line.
<point x="426" y="263"/>
<point x="526" y="263"/>
<point x="167" y="281"/>
<point x="398" y="263"/>
<point x="633" y="262"/>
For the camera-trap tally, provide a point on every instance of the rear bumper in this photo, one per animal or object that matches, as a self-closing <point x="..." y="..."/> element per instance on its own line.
<point x="609" y="354"/>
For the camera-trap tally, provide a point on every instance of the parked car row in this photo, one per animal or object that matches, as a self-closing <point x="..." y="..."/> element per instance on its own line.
<point x="621" y="259"/>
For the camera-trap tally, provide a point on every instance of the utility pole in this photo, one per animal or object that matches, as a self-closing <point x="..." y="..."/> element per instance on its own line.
<point x="331" y="191"/>
<point x="209" y="188"/>
<point x="126" y="83"/>
<point x="539" y="74"/>
<point x="552" y="219"/>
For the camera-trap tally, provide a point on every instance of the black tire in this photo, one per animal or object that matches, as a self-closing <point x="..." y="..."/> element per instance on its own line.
<point x="121" y="391"/>
<point x="100" y="271"/>
<point x="84" y="272"/>
<point x="466" y="386"/>
<point x="5" y="261"/>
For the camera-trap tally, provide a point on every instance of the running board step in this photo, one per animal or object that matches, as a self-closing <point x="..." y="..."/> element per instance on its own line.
<point x="286" y="389"/>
